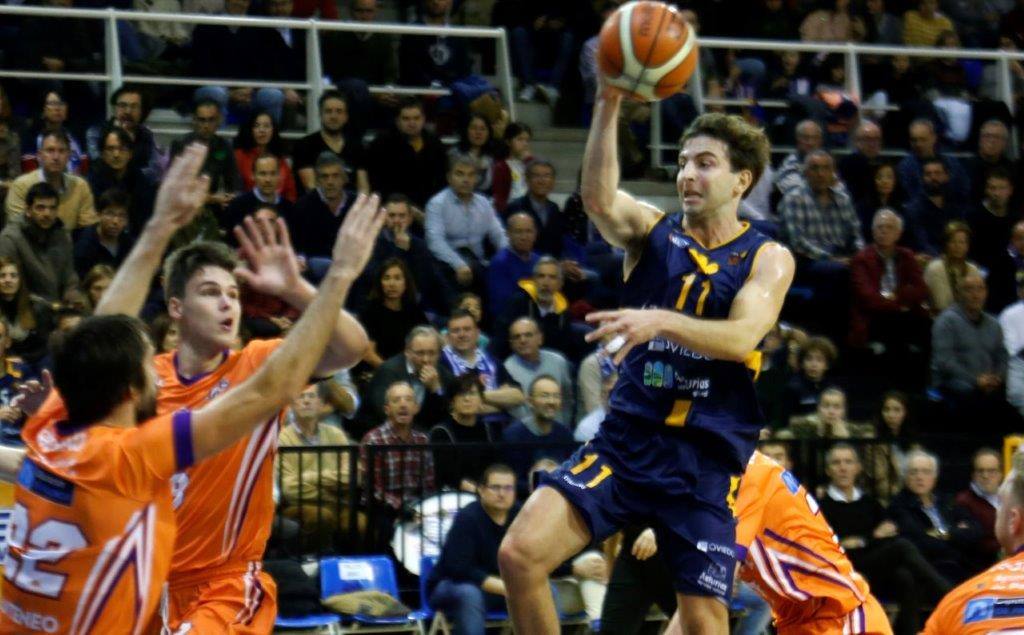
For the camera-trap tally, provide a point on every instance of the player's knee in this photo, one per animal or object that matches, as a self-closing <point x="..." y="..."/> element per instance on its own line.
<point x="518" y="555"/>
<point x="705" y="617"/>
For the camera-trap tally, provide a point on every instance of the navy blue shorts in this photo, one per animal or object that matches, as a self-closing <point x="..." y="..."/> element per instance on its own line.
<point x="632" y="473"/>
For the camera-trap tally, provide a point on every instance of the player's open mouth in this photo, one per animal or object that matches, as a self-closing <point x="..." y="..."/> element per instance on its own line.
<point x="226" y="324"/>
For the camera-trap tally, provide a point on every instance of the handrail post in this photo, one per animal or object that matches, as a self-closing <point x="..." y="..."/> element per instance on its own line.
<point x="852" y="72"/>
<point x="112" y="57"/>
<point x="1006" y="95"/>
<point x="505" y="72"/>
<point x="314" y="76"/>
<point x="656" y="140"/>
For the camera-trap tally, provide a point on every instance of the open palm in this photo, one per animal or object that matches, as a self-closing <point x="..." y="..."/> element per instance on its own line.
<point x="271" y="266"/>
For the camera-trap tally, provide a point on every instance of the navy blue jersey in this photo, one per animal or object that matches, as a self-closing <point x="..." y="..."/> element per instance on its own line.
<point x="667" y="384"/>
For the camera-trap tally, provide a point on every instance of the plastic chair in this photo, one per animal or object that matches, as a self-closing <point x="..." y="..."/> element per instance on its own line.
<point x="322" y="622"/>
<point x="366" y="573"/>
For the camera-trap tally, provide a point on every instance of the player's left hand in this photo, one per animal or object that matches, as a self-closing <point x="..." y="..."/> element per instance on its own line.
<point x="627" y="328"/>
<point x="645" y="545"/>
<point x="271" y="266"/>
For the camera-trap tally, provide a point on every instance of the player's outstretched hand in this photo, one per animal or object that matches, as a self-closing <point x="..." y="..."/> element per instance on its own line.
<point x="358" y="235"/>
<point x="627" y="328"/>
<point x="32" y="394"/>
<point x="183" y="190"/>
<point x="271" y="266"/>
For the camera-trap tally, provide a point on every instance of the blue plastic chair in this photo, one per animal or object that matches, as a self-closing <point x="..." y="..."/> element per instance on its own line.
<point x="366" y="573"/>
<point x="438" y="622"/>
<point x="319" y="621"/>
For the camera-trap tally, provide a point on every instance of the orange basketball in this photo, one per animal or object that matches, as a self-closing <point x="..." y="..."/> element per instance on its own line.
<point x="647" y="49"/>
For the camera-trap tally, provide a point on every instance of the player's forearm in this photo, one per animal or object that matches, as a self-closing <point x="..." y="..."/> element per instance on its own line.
<point x="10" y="463"/>
<point x="348" y="343"/>
<point x="130" y="286"/>
<point x="729" y="339"/>
<point x="600" y="175"/>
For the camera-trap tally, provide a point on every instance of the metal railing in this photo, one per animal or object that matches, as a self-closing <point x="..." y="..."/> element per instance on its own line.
<point x="852" y="53"/>
<point x="114" y="75"/>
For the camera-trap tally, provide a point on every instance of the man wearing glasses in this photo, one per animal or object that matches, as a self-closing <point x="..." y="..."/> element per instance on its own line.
<point x="130" y="112"/>
<point x="980" y="501"/>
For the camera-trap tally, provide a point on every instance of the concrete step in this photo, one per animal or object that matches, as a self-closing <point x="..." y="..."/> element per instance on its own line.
<point x="537" y="116"/>
<point x="564" y="135"/>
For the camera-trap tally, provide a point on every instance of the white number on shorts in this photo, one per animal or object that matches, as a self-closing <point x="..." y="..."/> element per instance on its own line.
<point x="48" y="543"/>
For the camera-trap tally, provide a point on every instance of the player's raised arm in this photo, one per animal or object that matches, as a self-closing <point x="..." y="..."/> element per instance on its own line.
<point x="286" y="372"/>
<point x="754" y="311"/>
<point x="622" y="220"/>
<point x="181" y="195"/>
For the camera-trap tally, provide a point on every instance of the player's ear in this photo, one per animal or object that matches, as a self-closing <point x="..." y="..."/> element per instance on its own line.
<point x="744" y="179"/>
<point x="174" y="308"/>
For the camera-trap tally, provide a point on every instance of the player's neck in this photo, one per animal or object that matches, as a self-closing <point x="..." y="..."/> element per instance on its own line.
<point x="122" y="416"/>
<point x="714" y="228"/>
<point x="195" y="360"/>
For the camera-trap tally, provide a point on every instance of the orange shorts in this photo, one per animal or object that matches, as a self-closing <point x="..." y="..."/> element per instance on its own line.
<point x="238" y="604"/>
<point x="868" y="619"/>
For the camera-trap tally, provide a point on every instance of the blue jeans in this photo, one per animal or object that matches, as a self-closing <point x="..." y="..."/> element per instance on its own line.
<point x="758" y="615"/>
<point x="268" y="99"/>
<point x="462" y="603"/>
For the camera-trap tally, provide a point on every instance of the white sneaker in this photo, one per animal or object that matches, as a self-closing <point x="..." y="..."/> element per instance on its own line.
<point x="548" y="94"/>
<point x="527" y="93"/>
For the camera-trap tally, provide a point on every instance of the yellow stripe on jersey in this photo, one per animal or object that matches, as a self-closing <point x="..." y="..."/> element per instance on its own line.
<point x="753" y="362"/>
<point x="680" y="411"/>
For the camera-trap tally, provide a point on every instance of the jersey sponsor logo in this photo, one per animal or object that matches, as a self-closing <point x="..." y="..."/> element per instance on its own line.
<point x="714" y="578"/>
<point x="714" y="547"/>
<point x="661" y="345"/>
<point x="179" y="483"/>
<point x="678" y="240"/>
<point x="981" y="609"/>
<point x="790" y="481"/>
<point x="31" y="620"/>
<point x="658" y="375"/>
<point x="220" y="388"/>
<point x="48" y="441"/>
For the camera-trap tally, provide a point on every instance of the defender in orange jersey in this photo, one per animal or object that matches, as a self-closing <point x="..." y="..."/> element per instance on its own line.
<point x="788" y="552"/>
<point x="224" y="507"/>
<point x="992" y="601"/>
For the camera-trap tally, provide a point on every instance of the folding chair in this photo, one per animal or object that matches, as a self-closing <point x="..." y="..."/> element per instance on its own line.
<point x="438" y="622"/>
<point x="366" y="573"/>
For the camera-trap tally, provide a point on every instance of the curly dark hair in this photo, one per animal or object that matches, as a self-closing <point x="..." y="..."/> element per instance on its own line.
<point x="749" y="148"/>
<point x="244" y="138"/>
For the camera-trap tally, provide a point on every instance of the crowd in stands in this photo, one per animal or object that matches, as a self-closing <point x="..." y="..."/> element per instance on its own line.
<point x="906" y="320"/>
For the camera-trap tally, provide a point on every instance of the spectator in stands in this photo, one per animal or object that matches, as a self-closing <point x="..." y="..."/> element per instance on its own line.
<point x="513" y="263"/>
<point x="882" y="27"/>
<point x="164" y="333"/>
<point x="130" y="112"/>
<point x="392" y="312"/>
<point x="770" y="20"/>
<point x="463" y="354"/>
<point x="458" y="222"/>
<point x="817" y="355"/>
<point x="407" y="160"/>
<point x="833" y="24"/>
<point x="419" y="366"/>
<point x="992" y="220"/>
<point x="1007" y="271"/>
<point x="980" y="501"/>
<point x="554" y="236"/>
<point x="594" y="370"/>
<point x="396" y="240"/>
<point x="885" y="191"/>
<point x="857" y="169"/>
<point x="12" y="373"/>
<point x="266" y="191"/>
<point x="590" y="423"/>
<point x="75" y="198"/>
<point x="921" y="27"/>
<point x="924" y="146"/>
<point x="541" y="31"/>
<point x="790" y="80"/>
<point x="219" y="164"/>
<point x="314" y="485"/>
<point x="1012" y="23"/>
<point x="426" y="60"/>
<point x="257" y="136"/>
<point x="331" y="137"/>
<point x="108" y="241"/>
<point x="376" y="52"/>
<point x="93" y="285"/>
<point x="944" y="274"/>
<point x="809" y="138"/>
<point x="892" y="565"/>
<point x="540" y="297"/>
<point x="457" y="468"/>
<point x="828" y="421"/>
<point x="934" y="208"/>
<point x="475" y="141"/>
<point x="991" y="154"/>
<point x="318" y="215"/>
<point x="818" y="217"/>
<point x="926" y="518"/>
<point x="466" y="584"/>
<point x="395" y="478"/>
<point x="1011" y="320"/>
<point x="895" y="434"/>
<point x="510" y="172"/>
<point x="114" y="169"/>
<point x="545" y="399"/>
<point x="281" y="56"/>
<point x="54" y="116"/>
<point x="31" y="318"/>
<point x="529" y="361"/>
<point x="889" y="292"/>
<point x="42" y="249"/>
<point x="968" y="357"/>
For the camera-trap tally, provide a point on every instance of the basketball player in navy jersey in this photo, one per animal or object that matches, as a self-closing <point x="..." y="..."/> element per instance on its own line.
<point x="703" y="289"/>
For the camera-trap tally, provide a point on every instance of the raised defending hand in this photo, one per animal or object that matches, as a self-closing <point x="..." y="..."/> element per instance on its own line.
<point x="183" y="190"/>
<point x="271" y="266"/>
<point x="32" y="394"/>
<point x="645" y="545"/>
<point x="627" y="328"/>
<point x="358" y="235"/>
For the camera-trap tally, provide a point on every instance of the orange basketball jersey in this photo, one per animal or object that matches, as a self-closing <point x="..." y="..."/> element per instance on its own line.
<point x="990" y="602"/>
<point x="92" y="529"/>
<point x="223" y="506"/>
<point x="788" y="551"/>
